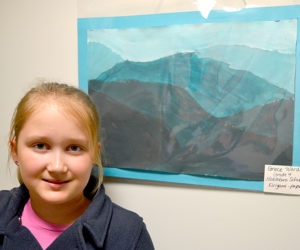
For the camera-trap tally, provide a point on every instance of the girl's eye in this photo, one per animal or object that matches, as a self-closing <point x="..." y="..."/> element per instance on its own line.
<point x="40" y="146"/>
<point x="75" y="148"/>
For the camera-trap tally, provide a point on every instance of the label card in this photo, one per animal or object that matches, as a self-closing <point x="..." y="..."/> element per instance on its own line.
<point x="282" y="179"/>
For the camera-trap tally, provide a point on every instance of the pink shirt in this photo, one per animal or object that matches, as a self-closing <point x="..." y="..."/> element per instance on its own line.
<point x="43" y="231"/>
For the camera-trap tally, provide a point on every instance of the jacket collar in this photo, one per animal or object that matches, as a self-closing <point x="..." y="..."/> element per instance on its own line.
<point x="96" y="218"/>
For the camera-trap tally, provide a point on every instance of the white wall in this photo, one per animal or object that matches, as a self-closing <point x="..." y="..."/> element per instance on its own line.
<point x="39" y="40"/>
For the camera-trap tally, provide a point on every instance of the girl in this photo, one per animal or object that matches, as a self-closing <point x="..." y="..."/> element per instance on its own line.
<point x="61" y="203"/>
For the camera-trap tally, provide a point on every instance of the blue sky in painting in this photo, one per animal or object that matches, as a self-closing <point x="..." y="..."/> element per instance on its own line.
<point x="277" y="39"/>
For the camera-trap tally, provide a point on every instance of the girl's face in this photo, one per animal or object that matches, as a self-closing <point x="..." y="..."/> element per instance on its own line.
<point x="53" y="156"/>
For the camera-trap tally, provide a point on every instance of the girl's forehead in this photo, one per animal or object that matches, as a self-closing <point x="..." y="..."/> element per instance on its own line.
<point x="65" y="108"/>
<point x="46" y="106"/>
<point x="62" y="104"/>
<point x="71" y="108"/>
<point x="54" y="114"/>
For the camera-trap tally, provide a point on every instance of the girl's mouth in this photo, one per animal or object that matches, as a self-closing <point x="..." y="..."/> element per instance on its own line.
<point x="56" y="184"/>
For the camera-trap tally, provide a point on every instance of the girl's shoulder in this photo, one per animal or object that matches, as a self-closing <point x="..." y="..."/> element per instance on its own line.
<point x="6" y="207"/>
<point x="12" y="200"/>
<point x="130" y="227"/>
<point x="126" y="219"/>
<point x="7" y="195"/>
<point x="120" y="227"/>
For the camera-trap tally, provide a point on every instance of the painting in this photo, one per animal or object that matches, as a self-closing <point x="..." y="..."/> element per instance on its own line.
<point x="208" y="99"/>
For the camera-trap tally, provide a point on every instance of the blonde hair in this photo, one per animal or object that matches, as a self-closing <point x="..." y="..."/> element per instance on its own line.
<point x="74" y="102"/>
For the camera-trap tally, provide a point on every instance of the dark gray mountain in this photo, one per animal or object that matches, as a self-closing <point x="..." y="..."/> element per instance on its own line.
<point x="160" y="127"/>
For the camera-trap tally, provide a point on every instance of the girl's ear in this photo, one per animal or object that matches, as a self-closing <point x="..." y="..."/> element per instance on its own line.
<point x="99" y="146"/>
<point x="13" y="150"/>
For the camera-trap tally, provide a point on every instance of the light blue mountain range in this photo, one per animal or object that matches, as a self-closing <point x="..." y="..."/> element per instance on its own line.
<point x="277" y="68"/>
<point x="219" y="89"/>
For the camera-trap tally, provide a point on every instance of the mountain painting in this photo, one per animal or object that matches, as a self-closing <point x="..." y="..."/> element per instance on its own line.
<point x="210" y="99"/>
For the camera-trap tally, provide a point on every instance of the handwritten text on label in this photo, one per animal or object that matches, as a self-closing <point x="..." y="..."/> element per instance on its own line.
<point x="282" y="179"/>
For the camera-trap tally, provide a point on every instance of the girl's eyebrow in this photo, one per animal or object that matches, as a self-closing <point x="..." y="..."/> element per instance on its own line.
<point x="37" y="138"/>
<point x="76" y="140"/>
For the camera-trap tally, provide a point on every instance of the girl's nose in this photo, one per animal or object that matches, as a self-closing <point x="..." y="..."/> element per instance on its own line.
<point x="57" y="162"/>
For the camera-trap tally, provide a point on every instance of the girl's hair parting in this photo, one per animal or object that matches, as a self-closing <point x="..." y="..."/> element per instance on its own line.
<point x="74" y="102"/>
